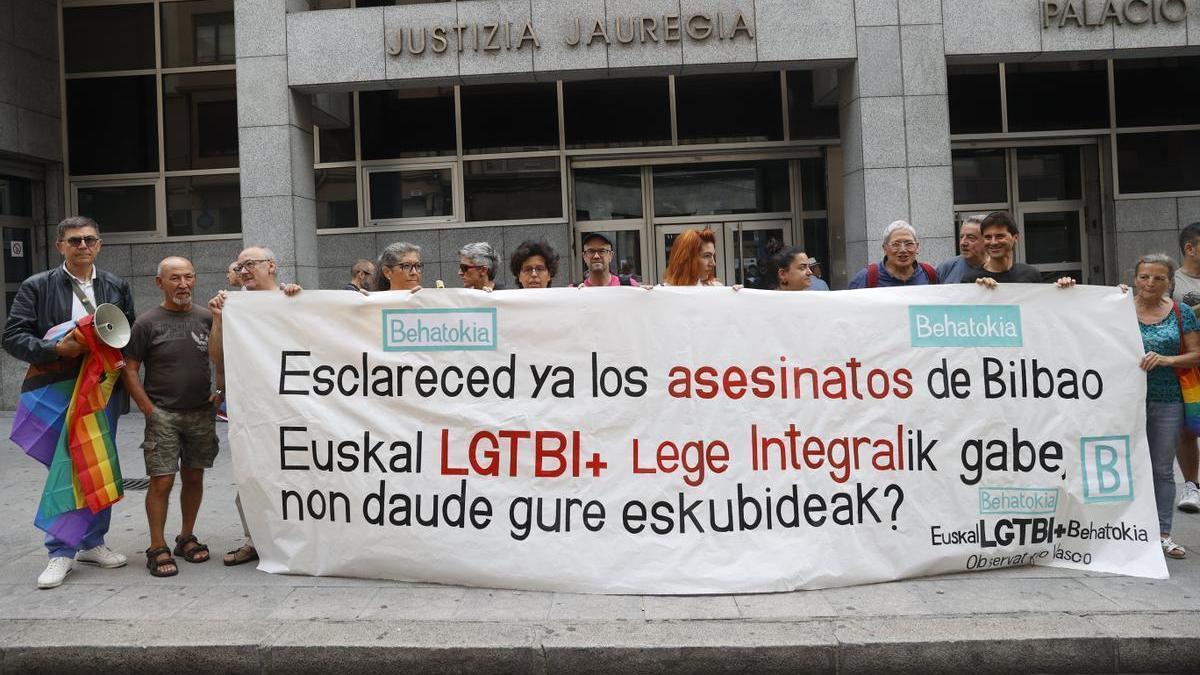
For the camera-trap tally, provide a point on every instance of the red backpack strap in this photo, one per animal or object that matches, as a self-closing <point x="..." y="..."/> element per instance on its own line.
<point x="872" y="275"/>
<point x="929" y="272"/>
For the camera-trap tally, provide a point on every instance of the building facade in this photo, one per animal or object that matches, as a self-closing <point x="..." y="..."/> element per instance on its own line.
<point x="327" y="129"/>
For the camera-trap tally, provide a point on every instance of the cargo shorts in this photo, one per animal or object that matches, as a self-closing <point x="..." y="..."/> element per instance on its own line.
<point x="175" y="438"/>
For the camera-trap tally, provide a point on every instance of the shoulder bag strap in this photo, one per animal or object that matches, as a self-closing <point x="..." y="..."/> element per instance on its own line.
<point x="83" y="298"/>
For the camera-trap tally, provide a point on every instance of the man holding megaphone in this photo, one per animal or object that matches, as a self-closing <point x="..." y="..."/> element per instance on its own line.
<point x="70" y="292"/>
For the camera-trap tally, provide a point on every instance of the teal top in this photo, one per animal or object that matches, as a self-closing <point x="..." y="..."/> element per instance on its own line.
<point x="1162" y="385"/>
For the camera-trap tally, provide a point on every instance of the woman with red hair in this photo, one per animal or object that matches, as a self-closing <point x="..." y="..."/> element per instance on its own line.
<point x="693" y="260"/>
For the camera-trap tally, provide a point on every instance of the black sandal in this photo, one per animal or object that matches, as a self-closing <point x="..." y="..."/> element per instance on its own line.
<point x="156" y="564"/>
<point x="190" y="554"/>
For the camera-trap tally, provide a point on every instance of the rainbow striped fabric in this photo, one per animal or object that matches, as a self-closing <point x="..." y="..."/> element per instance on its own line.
<point x="1189" y="384"/>
<point x="64" y="420"/>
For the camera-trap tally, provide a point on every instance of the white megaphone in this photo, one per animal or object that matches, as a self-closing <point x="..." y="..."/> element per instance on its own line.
<point x="112" y="327"/>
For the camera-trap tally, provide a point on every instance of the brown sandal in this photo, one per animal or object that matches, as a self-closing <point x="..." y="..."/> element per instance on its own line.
<point x="156" y="564"/>
<point x="196" y="553"/>
<point x="243" y="554"/>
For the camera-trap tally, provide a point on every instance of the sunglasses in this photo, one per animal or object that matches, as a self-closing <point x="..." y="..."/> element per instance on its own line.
<point x="88" y="241"/>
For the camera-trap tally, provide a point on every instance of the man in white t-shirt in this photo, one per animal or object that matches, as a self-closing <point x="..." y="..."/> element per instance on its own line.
<point x="1187" y="291"/>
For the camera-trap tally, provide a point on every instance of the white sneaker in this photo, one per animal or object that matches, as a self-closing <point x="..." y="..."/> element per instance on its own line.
<point x="55" y="572"/>
<point x="103" y="556"/>
<point x="1190" y="502"/>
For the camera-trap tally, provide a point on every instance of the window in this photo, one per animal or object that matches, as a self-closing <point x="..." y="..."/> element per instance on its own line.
<point x="16" y="197"/>
<point x="617" y="113"/>
<point x="90" y="42"/>
<point x="206" y="204"/>
<point x="1048" y="174"/>
<point x="119" y="208"/>
<point x="975" y="105"/>
<point x="1158" y="162"/>
<point x="412" y="193"/>
<point x="729" y="108"/>
<point x="337" y="197"/>
<point x="608" y="194"/>
<point x="813" y="103"/>
<point x="407" y="123"/>
<point x="200" y="120"/>
<point x="509" y="117"/>
<point x="1054" y="96"/>
<point x="716" y="189"/>
<point x="980" y="177"/>
<point x="18" y="267"/>
<point x="1152" y="92"/>
<point x="1052" y="238"/>
<point x="334" y="114"/>
<point x="111" y="125"/>
<point x="812" y="184"/>
<point x="197" y="33"/>
<point x="512" y="189"/>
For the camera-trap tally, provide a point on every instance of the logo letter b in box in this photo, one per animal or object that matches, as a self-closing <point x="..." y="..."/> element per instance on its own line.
<point x="433" y="330"/>
<point x="1107" y="469"/>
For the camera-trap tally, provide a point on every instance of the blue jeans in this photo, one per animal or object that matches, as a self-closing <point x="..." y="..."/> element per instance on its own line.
<point x="94" y="535"/>
<point x="1163" y="422"/>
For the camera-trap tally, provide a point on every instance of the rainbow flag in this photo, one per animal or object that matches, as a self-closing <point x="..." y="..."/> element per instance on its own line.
<point x="64" y="420"/>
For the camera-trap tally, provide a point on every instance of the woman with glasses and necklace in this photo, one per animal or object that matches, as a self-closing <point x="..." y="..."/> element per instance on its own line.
<point x="399" y="268"/>
<point x="534" y="264"/>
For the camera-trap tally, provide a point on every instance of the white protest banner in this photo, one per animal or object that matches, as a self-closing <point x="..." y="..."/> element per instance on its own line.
<point x="690" y="440"/>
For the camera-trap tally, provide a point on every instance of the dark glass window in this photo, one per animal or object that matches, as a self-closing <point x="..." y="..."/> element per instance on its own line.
<point x="108" y="38"/>
<point x="415" y="193"/>
<point x="1158" y="162"/>
<point x="728" y="108"/>
<point x="812" y="184"/>
<point x="975" y="105"/>
<point x="17" y="267"/>
<point x="608" y="194"/>
<point x="1052" y="96"/>
<point x="512" y="189"/>
<point x="1052" y="237"/>
<point x="16" y="197"/>
<point x="714" y="189"/>
<point x="1153" y="92"/>
<point x="980" y="177"/>
<point x="509" y="117"/>
<point x="197" y="33"/>
<point x="617" y="113"/>
<point x="337" y="198"/>
<point x="124" y="208"/>
<point x="407" y="123"/>
<point x="812" y="104"/>
<point x="330" y="4"/>
<point x="200" y="120"/>
<point x="816" y="243"/>
<point x="112" y="125"/>
<point x="1047" y="174"/>
<point x="388" y="3"/>
<point x="335" y="117"/>
<point x="203" y="205"/>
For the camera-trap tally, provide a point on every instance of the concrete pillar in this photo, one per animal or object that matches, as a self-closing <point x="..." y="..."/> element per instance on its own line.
<point x="275" y="143"/>
<point x="896" y="131"/>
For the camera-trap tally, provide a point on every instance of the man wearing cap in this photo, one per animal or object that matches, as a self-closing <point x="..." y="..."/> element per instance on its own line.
<point x="597" y="256"/>
<point x="815" y="281"/>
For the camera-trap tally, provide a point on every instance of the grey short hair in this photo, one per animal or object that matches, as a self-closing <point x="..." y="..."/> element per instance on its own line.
<point x="898" y="226"/>
<point x="1157" y="259"/>
<point x="74" y="223"/>
<point x="162" y="263"/>
<point x="389" y="257"/>
<point x="267" y="253"/>
<point x="481" y="253"/>
<point x="977" y="219"/>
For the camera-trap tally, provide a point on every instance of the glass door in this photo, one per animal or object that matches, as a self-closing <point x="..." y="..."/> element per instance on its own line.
<point x="667" y="234"/>
<point x="1050" y="210"/>
<point x="750" y="244"/>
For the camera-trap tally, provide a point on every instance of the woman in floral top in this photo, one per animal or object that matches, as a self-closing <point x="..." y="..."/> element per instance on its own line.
<point x="1160" y="319"/>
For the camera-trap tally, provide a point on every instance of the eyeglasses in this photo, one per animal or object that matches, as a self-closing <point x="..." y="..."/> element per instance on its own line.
<point x="408" y="267"/>
<point x="534" y="269"/>
<point x="906" y="245"/>
<point x="463" y="269"/>
<point x="88" y="241"/>
<point x="248" y="265"/>
<point x="593" y="252"/>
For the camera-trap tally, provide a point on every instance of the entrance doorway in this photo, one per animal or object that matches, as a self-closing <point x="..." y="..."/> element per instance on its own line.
<point x="743" y="247"/>
<point x="1052" y="190"/>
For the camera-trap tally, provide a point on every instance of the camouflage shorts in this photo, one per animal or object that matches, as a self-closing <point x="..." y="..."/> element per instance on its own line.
<point x="175" y="438"/>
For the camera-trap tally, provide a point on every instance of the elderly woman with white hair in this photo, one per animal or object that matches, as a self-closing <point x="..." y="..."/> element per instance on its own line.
<point x="900" y="266"/>
<point x="477" y="265"/>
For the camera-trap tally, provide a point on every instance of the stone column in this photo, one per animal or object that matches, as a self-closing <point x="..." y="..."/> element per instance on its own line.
<point x="275" y="142"/>
<point x="896" y="131"/>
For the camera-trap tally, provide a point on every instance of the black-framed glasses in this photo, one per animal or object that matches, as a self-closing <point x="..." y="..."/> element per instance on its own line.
<point x="535" y="269"/>
<point x="88" y="241"/>
<point x="593" y="252"/>
<point x="408" y="267"/>
<point x="248" y="265"/>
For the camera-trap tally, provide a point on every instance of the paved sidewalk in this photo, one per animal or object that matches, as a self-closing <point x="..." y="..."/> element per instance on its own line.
<point x="212" y="617"/>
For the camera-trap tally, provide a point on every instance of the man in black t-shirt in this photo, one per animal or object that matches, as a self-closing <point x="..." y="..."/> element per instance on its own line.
<point x="1000" y="236"/>
<point x="171" y="340"/>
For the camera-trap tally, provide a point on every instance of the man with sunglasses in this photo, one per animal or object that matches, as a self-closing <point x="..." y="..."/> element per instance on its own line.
<point x="256" y="268"/>
<point x="477" y="266"/>
<point x="360" y="275"/>
<point x="68" y="293"/>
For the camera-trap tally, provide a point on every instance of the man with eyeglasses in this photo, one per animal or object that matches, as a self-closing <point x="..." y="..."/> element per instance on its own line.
<point x="597" y="256"/>
<point x="900" y="266"/>
<point x="68" y="293"/>
<point x="360" y="275"/>
<point x="256" y="268"/>
<point x="1000" y="235"/>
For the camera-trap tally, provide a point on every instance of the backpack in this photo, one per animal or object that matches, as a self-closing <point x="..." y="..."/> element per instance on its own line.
<point x="873" y="274"/>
